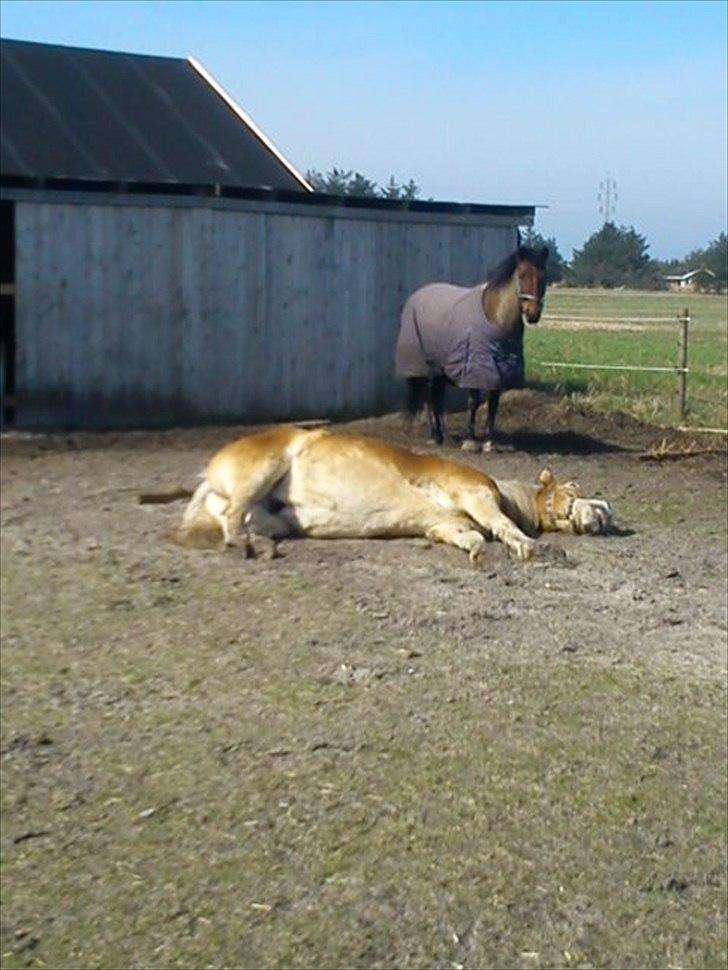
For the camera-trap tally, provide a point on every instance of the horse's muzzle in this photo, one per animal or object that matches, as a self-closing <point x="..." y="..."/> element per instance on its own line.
<point x="531" y="308"/>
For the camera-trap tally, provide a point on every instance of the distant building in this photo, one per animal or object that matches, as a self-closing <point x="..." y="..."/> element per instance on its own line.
<point x="688" y="282"/>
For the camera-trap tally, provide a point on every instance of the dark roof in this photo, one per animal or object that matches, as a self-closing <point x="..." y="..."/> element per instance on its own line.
<point x="75" y="113"/>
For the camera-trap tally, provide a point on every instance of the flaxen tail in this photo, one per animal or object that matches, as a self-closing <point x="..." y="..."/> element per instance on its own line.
<point x="164" y="498"/>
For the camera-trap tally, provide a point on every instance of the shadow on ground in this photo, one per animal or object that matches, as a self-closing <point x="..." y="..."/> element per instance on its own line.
<point x="558" y="442"/>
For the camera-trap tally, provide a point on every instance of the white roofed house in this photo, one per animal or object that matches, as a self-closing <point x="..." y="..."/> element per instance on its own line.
<point x="689" y="282"/>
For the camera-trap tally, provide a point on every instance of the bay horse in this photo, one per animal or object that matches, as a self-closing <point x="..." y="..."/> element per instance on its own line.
<point x="471" y="338"/>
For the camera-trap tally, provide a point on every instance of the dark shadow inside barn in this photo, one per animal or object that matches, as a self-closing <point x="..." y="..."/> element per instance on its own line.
<point x="7" y="312"/>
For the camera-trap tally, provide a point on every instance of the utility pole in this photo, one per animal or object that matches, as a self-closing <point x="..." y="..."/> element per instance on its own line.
<point x="607" y="197"/>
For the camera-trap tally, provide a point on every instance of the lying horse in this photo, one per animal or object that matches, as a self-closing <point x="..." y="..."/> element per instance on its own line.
<point x="291" y="481"/>
<point x="472" y="338"/>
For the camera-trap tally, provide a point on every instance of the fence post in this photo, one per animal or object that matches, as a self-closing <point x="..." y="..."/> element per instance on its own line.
<point x="682" y="363"/>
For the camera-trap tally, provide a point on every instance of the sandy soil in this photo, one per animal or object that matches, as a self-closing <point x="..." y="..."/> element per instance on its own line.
<point x="364" y="753"/>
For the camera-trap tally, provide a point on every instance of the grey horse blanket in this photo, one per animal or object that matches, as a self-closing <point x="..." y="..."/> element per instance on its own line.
<point x="444" y="330"/>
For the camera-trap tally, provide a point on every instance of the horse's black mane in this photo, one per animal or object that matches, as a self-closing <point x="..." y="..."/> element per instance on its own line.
<point x="503" y="272"/>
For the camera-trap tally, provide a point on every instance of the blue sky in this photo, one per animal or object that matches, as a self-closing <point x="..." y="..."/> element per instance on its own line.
<point x="483" y="102"/>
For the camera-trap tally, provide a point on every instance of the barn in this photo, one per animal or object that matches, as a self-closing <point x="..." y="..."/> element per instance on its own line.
<point x="163" y="263"/>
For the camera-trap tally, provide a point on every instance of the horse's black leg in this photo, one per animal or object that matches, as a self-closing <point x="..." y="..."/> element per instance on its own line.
<point x="417" y="391"/>
<point x="493" y="399"/>
<point x="475" y="399"/>
<point x="435" y="408"/>
<point x="416" y="395"/>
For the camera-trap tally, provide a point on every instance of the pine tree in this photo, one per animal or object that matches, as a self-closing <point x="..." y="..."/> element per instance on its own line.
<point x="339" y="181"/>
<point x="613" y="256"/>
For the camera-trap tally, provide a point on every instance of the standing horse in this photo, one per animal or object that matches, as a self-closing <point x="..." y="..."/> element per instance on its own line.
<point x="472" y="338"/>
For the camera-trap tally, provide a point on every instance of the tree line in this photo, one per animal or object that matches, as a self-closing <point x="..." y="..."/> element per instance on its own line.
<point x="339" y="181"/>
<point x="613" y="256"/>
<point x="616" y="256"/>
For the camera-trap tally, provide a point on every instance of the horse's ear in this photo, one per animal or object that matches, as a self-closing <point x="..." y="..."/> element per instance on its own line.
<point x="546" y="477"/>
<point x="544" y="255"/>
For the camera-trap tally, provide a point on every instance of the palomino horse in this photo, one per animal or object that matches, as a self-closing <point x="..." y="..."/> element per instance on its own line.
<point x="472" y="338"/>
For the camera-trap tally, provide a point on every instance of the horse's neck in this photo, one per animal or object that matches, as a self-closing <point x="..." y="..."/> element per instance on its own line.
<point x="501" y="306"/>
<point x="519" y="504"/>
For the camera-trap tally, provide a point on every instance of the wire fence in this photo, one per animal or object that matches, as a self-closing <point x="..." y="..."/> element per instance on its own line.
<point x="680" y="370"/>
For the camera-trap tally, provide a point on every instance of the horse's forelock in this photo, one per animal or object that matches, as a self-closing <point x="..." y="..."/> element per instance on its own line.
<point x="504" y="271"/>
<point x="537" y="257"/>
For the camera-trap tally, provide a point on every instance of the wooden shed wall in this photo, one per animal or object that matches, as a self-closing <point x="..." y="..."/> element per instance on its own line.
<point x="142" y="315"/>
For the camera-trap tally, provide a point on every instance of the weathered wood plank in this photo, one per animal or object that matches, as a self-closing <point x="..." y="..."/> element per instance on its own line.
<point x="153" y="315"/>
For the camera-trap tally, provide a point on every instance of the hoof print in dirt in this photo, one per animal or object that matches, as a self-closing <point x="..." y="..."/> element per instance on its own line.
<point x="548" y="554"/>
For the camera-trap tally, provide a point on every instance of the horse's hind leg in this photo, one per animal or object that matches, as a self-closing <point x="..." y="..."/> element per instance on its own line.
<point x="474" y="401"/>
<point x="252" y="484"/>
<point x="493" y="401"/>
<point x="416" y="397"/>
<point x="197" y="501"/>
<point x="416" y="390"/>
<point x="435" y="409"/>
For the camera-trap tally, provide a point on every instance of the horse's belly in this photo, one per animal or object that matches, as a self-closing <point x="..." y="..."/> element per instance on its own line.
<point x="344" y="500"/>
<point x="322" y="522"/>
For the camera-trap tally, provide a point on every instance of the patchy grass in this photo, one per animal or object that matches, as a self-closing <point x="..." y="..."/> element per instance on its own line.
<point x="601" y="330"/>
<point x="183" y="801"/>
<point x="554" y="799"/>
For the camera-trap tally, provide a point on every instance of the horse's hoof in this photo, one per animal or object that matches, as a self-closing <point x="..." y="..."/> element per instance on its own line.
<point x="488" y="446"/>
<point x="470" y="444"/>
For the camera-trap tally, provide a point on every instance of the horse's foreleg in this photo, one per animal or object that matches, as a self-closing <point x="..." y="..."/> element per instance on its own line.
<point x="485" y="510"/>
<point x="457" y="530"/>
<point x="493" y="401"/>
<point x="474" y="402"/>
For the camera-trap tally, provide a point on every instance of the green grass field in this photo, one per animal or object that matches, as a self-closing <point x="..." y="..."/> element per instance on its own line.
<point x="632" y="328"/>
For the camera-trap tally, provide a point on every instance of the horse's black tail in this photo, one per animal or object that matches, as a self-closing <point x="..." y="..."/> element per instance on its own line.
<point x="417" y="391"/>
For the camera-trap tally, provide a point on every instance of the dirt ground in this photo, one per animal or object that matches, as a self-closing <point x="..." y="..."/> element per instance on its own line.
<point x="364" y="754"/>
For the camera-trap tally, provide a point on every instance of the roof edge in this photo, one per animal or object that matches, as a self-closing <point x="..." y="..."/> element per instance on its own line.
<point x="90" y="50"/>
<point x="246" y="119"/>
<point x="309" y="199"/>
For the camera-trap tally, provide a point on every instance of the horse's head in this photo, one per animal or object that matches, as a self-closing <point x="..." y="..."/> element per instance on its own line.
<point x="560" y="509"/>
<point x="530" y="279"/>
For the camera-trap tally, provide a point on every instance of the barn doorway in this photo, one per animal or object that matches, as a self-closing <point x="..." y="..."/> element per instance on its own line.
<point x="7" y="313"/>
